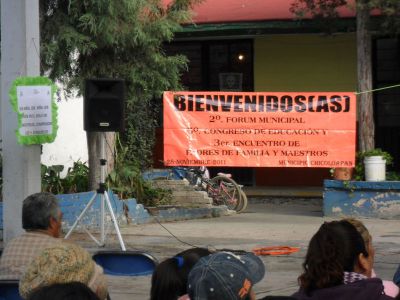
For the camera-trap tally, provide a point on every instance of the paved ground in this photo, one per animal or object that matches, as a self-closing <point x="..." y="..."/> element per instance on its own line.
<point x="266" y="223"/>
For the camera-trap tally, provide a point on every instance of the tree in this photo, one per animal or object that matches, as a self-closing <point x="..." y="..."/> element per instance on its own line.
<point x="115" y="39"/>
<point x="366" y="124"/>
<point x="327" y="10"/>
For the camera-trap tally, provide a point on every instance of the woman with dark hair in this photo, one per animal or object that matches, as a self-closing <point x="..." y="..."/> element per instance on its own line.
<point x="338" y="266"/>
<point x="170" y="277"/>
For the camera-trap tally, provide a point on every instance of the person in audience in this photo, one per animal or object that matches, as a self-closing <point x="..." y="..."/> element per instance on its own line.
<point x="64" y="291"/>
<point x="390" y="288"/>
<point x="41" y="219"/>
<point x="278" y="298"/>
<point x="396" y="276"/>
<point x="63" y="263"/>
<point x="225" y="276"/>
<point x="338" y="266"/>
<point x="169" y="279"/>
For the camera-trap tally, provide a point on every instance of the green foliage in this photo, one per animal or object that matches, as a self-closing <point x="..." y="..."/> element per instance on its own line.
<point x="326" y="12"/>
<point x="392" y="176"/>
<point x="377" y="152"/>
<point x="116" y="39"/>
<point x="51" y="179"/>
<point x="76" y="180"/>
<point x="359" y="169"/>
<point x="127" y="181"/>
<point x="317" y="8"/>
<point x="391" y="11"/>
<point x="156" y="196"/>
<point x="347" y="184"/>
<point x="323" y="12"/>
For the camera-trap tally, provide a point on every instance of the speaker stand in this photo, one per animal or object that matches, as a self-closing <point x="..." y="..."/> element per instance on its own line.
<point x="104" y="200"/>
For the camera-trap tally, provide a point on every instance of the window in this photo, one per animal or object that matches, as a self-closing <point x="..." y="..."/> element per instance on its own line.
<point x="218" y="65"/>
<point x="212" y="63"/>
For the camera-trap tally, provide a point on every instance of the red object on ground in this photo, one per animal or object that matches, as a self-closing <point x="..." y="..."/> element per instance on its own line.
<point x="275" y="250"/>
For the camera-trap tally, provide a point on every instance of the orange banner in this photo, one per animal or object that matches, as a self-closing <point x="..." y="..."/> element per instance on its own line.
<point x="260" y="129"/>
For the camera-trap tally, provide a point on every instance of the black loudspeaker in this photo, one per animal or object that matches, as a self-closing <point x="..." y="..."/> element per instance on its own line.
<point x="104" y="105"/>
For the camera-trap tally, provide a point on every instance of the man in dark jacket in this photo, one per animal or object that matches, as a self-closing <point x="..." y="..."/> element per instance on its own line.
<point x="365" y="289"/>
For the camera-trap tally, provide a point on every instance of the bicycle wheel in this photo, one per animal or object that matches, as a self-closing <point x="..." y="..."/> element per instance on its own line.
<point x="243" y="202"/>
<point x="227" y="192"/>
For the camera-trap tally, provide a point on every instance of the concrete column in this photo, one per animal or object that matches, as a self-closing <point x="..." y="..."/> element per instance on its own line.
<point x="19" y="57"/>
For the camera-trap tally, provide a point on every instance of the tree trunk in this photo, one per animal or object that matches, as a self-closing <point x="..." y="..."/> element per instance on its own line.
<point x="94" y="151"/>
<point x="366" y="126"/>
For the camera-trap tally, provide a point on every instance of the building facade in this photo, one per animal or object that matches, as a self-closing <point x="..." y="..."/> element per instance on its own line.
<point x="259" y="46"/>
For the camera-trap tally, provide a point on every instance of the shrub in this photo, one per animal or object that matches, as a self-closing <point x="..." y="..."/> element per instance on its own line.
<point x="359" y="169"/>
<point x="76" y="180"/>
<point x="127" y="181"/>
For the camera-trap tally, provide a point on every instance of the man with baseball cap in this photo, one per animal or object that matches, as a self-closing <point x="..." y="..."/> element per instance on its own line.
<point x="224" y="275"/>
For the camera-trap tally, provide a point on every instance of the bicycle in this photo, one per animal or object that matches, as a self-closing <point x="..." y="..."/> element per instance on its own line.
<point x="221" y="188"/>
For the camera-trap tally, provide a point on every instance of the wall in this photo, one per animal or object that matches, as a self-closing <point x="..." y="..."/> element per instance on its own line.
<point x="301" y="63"/>
<point x="368" y="199"/>
<point x="126" y="212"/>
<point x="70" y="143"/>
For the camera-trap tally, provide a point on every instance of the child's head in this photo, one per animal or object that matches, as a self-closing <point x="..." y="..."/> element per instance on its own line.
<point x="365" y="235"/>
<point x="361" y="229"/>
<point x="337" y="247"/>
<point x="170" y="277"/>
<point x="225" y="276"/>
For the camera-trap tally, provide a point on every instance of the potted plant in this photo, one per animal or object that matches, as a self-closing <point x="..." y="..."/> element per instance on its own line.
<point x="371" y="164"/>
<point x="342" y="173"/>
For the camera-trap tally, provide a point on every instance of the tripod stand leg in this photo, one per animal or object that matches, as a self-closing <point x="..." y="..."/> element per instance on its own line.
<point x="90" y="203"/>
<point x="104" y="199"/>
<point x="114" y="220"/>
<point x="93" y="238"/>
<point x="102" y="220"/>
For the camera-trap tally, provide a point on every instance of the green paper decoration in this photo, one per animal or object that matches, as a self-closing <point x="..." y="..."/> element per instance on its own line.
<point x="35" y="138"/>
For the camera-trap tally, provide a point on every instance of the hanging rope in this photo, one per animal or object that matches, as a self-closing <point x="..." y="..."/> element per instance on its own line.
<point x="379" y="89"/>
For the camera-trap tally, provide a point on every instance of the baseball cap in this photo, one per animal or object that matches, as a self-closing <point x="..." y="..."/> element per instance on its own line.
<point x="224" y="275"/>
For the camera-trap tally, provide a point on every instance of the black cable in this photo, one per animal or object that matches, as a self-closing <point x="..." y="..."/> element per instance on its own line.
<point x="238" y="251"/>
<point x="109" y="147"/>
<point x="131" y="247"/>
<point x="106" y="165"/>
<point x="235" y="251"/>
<point x="178" y="239"/>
